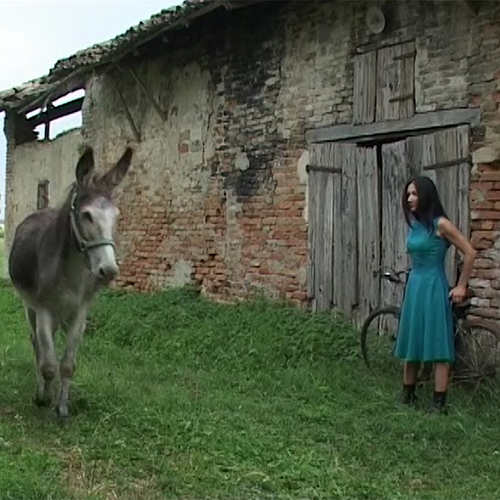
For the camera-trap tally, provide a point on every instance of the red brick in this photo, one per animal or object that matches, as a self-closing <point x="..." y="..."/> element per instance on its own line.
<point x="483" y="263"/>
<point x="487" y="215"/>
<point x="490" y="176"/>
<point x="488" y="273"/>
<point x="483" y="235"/>
<point x="487" y="293"/>
<point x="279" y="191"/>
<point x="482" y="244"/>
<point x="492" y="195"/>
<point x="482" y="186"/>
<point x="486" y="312"/>
<point x="482" y="205"/>
<point x="269" y="221"/>
<point x="488" y="167"/>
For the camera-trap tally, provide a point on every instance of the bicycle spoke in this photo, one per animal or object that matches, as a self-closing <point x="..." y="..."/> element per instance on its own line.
<point x="478" y="354"/>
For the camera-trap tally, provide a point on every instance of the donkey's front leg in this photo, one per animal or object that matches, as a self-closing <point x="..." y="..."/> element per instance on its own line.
<point x="31" y="316"/>
<point x="46" y="357"/>
<point x="75" y="331"/>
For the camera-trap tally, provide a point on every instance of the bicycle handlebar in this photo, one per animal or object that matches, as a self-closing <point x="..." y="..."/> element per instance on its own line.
<point x="391" y="275"/>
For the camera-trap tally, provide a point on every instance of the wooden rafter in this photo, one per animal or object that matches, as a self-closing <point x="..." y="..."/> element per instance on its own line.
<point x="147" y="93"/>
<point x="50" y="107"/>
<point x="55" y="112"/>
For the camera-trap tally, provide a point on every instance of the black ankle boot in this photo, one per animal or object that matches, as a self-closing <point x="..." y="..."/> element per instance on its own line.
<point x="408" y="397"/>
<point x="439" y="403"/>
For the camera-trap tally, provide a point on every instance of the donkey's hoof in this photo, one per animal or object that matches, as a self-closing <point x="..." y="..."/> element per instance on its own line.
<point x="62" y="414"/>
<point x="42" y="400"/>
<point x="63" y="421"/>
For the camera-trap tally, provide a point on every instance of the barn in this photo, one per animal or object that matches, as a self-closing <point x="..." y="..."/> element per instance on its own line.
<point x="272" y="140"/>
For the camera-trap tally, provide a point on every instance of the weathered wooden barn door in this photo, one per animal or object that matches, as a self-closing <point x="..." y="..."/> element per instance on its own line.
<point x="396" y="170"/>
<point x="444" y="157"/>
<point x="343" y="224"/>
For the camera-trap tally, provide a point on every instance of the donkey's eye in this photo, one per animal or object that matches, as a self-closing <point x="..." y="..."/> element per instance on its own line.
<point x="87" y="216"/>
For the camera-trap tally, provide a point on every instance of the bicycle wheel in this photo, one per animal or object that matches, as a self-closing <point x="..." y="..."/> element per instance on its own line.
<point x="378" y="335"/>
<point x="477" y="344"/>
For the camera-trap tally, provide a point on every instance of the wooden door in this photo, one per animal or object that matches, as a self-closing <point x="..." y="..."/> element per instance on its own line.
<point x="395" y="82"/>
<point x="444" y="157"/>
<point x="355" y="220"/>
<point x="343" y="222"/>
<point x="384" y="84"/>
<point x="395" y="173"/>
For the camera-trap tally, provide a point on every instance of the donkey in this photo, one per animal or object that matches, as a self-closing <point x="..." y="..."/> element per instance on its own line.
<point x="58" y="261"/>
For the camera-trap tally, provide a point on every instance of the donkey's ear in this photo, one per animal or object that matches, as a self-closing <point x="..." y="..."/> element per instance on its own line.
<point x="85" y="167"/>
<point x="112" y="178"/>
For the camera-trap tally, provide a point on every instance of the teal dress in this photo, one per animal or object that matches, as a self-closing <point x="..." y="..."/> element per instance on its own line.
<point x="426" y="324"/>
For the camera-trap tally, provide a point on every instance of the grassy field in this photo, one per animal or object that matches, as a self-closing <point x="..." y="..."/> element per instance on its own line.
<point x="177" y="397"/>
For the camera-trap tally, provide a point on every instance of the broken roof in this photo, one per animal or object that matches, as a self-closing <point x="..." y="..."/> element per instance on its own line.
<point x="69" y="74"/>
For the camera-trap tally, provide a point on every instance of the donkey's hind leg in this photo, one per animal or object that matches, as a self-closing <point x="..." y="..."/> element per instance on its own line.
<point x="46" y="357"/>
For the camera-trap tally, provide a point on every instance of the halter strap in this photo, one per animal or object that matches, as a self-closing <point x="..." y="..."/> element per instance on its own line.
<point x="84" y="245"/>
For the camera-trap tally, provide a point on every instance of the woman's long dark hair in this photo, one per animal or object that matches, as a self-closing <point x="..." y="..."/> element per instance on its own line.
<point x="429" y="205"/>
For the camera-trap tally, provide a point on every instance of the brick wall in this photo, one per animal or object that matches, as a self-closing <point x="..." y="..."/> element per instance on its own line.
<point x="271" y="73"/>
<point x="220" y="200"/>
<point x="217" y="190"/>
<point x="485" y="204"/>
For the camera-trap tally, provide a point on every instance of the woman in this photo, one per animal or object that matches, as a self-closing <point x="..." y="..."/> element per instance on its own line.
<point x="426" y="323"/>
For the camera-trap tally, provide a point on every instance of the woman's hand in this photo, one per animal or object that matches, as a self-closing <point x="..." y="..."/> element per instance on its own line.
<point x="458" y="294"/>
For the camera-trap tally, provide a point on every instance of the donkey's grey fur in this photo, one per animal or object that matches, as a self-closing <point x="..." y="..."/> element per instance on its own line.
<point x="58" y="261"/>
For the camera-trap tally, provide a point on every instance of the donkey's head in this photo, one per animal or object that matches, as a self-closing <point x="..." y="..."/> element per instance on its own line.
<point x="93" y="214"/>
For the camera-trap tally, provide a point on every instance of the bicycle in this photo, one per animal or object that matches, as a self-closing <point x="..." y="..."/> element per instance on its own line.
<point x="477" y="355"/>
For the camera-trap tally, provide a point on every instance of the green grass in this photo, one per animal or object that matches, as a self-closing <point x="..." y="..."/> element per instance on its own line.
<point x="177" y="397"/>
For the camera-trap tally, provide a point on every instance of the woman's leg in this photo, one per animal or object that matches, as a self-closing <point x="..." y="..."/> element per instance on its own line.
<point x="441" y="376"/>
<point x="410" y="371"/>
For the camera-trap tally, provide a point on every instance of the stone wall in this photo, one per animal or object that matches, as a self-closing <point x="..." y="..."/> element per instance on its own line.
<point x="217" y="190"/>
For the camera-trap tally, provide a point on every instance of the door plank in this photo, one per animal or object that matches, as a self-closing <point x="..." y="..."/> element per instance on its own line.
<point x="368" y="231"/>
<point x="365" y="87"/>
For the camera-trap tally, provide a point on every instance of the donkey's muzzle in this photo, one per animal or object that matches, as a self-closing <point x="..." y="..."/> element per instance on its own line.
<point x="108" y="272"/>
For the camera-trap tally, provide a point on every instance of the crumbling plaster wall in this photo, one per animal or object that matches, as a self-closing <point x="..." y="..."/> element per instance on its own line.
<point x="31" y="163"/>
